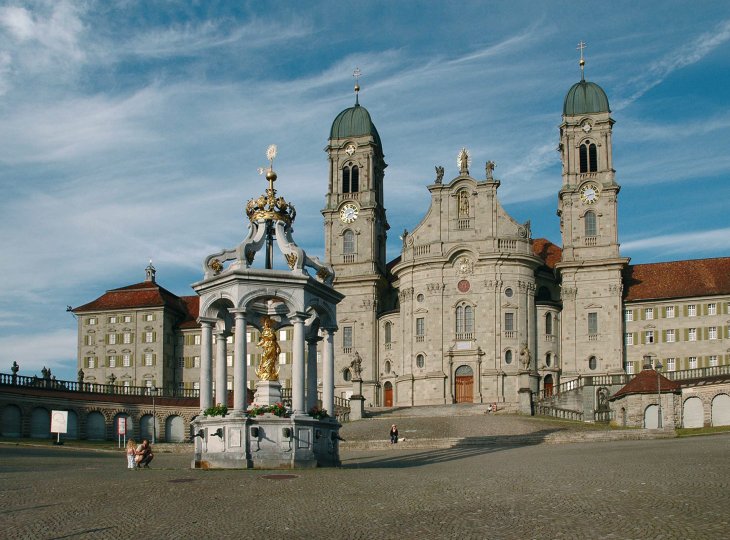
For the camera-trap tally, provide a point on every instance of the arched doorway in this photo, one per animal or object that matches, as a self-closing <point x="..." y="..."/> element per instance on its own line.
<point x="651" y="417"/>
<point x="693" y="415"/>
<point x="721" y="410"/>
<point x="547" y="385"/>
<point x="72" y="425"/>
<point x="464" y="385"/>
<point x="40" y="423"/>
<point x="146" y="429"/>
<point x="11" y="421"/>
<point x="388" y="394"/>
<point x="95" y="426"/>
<point x="174" y="429"/>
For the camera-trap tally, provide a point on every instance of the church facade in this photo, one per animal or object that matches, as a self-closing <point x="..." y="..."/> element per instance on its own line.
<point x="474" y="309"/>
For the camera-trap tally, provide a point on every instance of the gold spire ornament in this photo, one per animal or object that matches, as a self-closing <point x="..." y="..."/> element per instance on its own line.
<point x="269" y="206"/>
<point x="582" y="63"/>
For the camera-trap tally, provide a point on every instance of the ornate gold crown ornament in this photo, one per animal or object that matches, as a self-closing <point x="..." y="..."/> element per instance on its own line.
<point x="268" y="206"/>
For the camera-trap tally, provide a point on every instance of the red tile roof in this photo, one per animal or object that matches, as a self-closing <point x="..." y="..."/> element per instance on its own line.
<point x="646" y="383"/>
<point x="677" y="279"/>
<point x="547" y="251"/>
<point x="192" y="305"/>
<point x="140" y="295"/>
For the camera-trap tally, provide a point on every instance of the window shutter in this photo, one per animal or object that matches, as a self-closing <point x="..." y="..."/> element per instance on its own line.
<point x="154" y="337"/>
<point x="188" y="362"/>
<point x="643" y="338"/>
<point x="664" y="336"/>
<point x="686" y="334"/>
<point x="154" y="359"/>
<point x="684" y="310"/>
<point x="664" y="313"/>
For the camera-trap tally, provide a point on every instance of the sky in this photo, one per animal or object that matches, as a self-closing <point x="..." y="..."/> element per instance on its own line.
<point x="133" y="130"/>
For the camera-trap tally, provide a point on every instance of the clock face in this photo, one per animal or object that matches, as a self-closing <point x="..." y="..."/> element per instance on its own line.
<point x="350" y="149"/>
<point x="348" y="214"/>
<point x="586" y="127"/>
<point x="589" y="193"/>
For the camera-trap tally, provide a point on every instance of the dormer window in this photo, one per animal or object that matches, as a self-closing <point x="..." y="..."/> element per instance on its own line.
<point x="350" y="178"/>
<point x="588" y="157"/>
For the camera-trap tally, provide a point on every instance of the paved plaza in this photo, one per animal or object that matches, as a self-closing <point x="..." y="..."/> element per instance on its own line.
<point x="668" y="488"/>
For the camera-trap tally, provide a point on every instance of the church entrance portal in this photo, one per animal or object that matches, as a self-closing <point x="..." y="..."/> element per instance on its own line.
<point x="464" y="391"/>
<point x="548" y="385"/>
<point x="388" y="394"/>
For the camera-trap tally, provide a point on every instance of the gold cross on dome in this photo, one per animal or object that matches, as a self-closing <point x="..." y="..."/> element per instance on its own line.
<point x="582" y="45"/>
<point x="357" y="74"/>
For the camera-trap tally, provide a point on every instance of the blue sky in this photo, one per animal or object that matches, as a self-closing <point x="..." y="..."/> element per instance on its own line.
<point x="133" y="130"/>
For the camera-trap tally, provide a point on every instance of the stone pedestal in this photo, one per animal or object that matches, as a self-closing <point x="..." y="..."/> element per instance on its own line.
<point x="528" y="382"/>
<point x="357" y="401"/>
<point x="267" y="393"/>
<point x="265" y="442"/>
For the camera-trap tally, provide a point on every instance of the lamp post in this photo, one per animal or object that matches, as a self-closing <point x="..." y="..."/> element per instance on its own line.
<point x="154" y="415"/>
<point x="659" y="366"/>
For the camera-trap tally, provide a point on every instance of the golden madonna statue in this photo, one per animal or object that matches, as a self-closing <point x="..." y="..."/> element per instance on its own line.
<point x="268" y="369"/>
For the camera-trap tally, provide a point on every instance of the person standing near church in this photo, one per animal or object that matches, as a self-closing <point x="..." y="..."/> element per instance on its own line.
<point x="393" y="434"/>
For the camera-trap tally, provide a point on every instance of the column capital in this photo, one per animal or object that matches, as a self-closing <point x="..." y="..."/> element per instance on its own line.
<point x="206" y="321"/>
<point x="298" y="316"/>
<point x="238" y="313"/>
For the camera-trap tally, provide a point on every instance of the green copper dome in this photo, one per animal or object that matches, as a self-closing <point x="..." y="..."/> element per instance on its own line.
<point x="354" y="122"/>
<point x="585" y="98"/>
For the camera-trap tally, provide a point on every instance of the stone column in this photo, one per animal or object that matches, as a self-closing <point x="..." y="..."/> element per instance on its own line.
<point x="221" y="374"/>
<point x="297" y="389"/>
<point x="328" y="373"/>
<point x="240" y="394"/>
<point x="206" y="363"/>
<point x="312" y="373"/>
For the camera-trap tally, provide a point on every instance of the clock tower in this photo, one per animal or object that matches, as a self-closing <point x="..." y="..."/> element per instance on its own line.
<point x="591" y="266"/>
<point x="355" y="230"/>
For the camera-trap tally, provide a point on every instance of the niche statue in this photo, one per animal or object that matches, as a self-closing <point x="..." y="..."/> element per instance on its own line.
<point x="268" y="369"/>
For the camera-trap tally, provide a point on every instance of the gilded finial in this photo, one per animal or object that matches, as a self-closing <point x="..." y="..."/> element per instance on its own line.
<point x="582" y="45"/>
<point x="357" y="74"/>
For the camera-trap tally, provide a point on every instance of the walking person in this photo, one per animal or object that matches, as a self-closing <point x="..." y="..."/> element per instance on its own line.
<point x="393" y="434"/>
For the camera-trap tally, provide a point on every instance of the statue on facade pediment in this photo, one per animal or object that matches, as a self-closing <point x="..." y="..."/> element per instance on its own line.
<point x="490" y="170"/>
<point x="439" y="174"/>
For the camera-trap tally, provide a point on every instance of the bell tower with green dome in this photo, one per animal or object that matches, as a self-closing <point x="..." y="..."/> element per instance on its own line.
<point x="355" y="228"/>
<point x="591" y="265"/>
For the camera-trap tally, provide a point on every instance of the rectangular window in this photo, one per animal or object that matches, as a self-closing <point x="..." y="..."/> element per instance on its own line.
<point x="692" y="362"/>
<point x="248" y="359"/>
<point x="692" y="310"/>
<point x="149" y="317"/>
<point x="112" y="339"/>
<point x="113" y="319"/>
<point x="629" y="338"/>
<point x="692" y="334"/>
<point x="196" y="385"/>
<point x="113" y="360"/>
<point x="347" y="337"/>
<point x="148" y="337"/>
<point x="592" y="323"/>
<point x="628" y="315"/>
<point x="127" y="338"/>
<point x="91" y="362"/>
<point x="127" y="318"/>
<point x="196" y="361"/>
<point x="630" y="368"/>
<point x="229" y="360"/>
<point x="229" y="340"/>
<point x="89" y="339"/>
<point x="282" y="335"/>
<point x="282" y="358"/>
<point x="671" y="364"/>
<point x="509" y="322"/>
<point x="148" y="359"/>
<point x="712" y="309"/>
<point x="670" y="336"/>
<point x="229" y="385"/>
<point x="713" y="360"/>
<point x="670" y="312"/>
<point x="196" y="339"/>
<point x="712" y="332"/>
<point x="181" y="362"/>
<point x="649" y="313"/>
<point x="248" y="337"/>
<point x="420" y="326"/>
<point x="649" y="336"/>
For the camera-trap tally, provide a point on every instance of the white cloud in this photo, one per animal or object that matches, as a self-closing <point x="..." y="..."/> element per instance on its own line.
<point x="48" y="349"/>
<point x="698" y="242"/>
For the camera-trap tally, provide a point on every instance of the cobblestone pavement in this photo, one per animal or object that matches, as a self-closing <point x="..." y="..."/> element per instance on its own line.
<point x="671" y="488"/>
